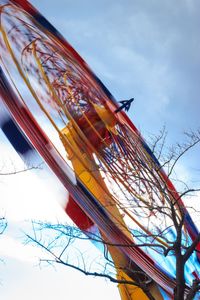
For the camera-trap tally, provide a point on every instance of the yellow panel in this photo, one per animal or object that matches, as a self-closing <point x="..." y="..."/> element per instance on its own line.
<point x="87" y="170"/>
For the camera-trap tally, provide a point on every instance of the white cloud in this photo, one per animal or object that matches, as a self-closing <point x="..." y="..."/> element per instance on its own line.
<point x="12" y="248"/>
<point x="145" y="49"/>
<point x="24" y="196"/>
<point x="30" y="194"/>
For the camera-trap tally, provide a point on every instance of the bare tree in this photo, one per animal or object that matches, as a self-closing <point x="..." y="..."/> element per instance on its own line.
<point x="152" y="198"/>
<point x="167" y="238"/>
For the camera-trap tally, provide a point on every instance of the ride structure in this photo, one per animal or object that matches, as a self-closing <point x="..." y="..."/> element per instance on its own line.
<point x="62" y="110"/>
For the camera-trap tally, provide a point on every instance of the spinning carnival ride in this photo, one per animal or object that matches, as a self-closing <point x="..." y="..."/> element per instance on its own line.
<point x="60" y="109"/>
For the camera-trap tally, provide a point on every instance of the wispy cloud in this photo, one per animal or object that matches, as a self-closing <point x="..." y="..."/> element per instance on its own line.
<point x="12" y="248"/>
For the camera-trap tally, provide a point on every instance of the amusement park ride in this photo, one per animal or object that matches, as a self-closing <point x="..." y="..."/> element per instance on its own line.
<point x="57" y="105"/>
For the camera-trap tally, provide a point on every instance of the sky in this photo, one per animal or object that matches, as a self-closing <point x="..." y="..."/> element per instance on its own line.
<point x="146" y="49"/>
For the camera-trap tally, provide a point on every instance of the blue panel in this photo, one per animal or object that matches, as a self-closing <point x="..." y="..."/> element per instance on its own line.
<point x="45" y="23"/>
<point x="16" y="138"/>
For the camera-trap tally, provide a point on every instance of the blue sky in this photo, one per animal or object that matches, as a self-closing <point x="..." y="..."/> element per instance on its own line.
<point x="147" y="49"/>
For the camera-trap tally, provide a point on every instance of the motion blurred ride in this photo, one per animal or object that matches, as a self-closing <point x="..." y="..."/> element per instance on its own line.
<point x="61" y="110"/>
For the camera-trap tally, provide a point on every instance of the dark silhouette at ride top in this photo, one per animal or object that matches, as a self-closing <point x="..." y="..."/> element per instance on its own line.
<point x="126" y="104"/>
